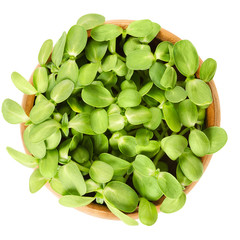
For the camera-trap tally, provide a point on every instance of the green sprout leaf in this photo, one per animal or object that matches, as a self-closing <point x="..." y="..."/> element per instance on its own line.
<point x="49" y="164"/>
<point x="169" y="185"/>
<point x="91" y="20"/>
<point x="138" y="115"/>
<point x="217" y="137"/>
<point x="36" y="181"/>
<point x="148" y="38"/>
<point x="24" y="159"/>
<point x="99" y="120"/>
<point x="40" y="79"/>
<point x="176" y="95"/>
<point x="62" y="91"/>
<point x="129" y="98"/>
<point x="95" y="51"/>
<point x="81" y="123"/>
<point x="72" y="179"/>
<point x="45" y="52"/>
<point x="183" y="180"/>
<point x="68" y="70"/>
<point x="58" y="50"/>
<point x="147" y="212"/>
<point x="119" y="165"/>
<point x="186" y="58"/>
<point x="13" y="112"/>
<point x="164" y="51"/>
<point x="199" y="92"/>
<point x="127" y="145"/>
<point x="139" y="28"/>
<point x="191" y="165"/>
<point x="101" y="172"/>
<point x="171" y="117"/>
<point x="199" y="143"/>
<point x="208" y="70"/>
<point x="97" y="96"/>
<point x="139" y="60"/>
<point x="126" y="219"/>
<point x="142" y="182"/>
<point x="173" y="205"/>
<point x="133" y="44"/>
<point x="22" y="84"/>
<point x="75" y="201"/>
<point x="122" y="196"/>
<point x="106" y="32"/>
<point x="41" y="111"/>
<point x="174" y="146"/>
<point x="188" y="113"/>
<point x="87" y="73"/>
<point x="76" y="40"/>
<point x="144" y="165"/>
<point x="38" y="150"/>
<point x="43" y="130"/>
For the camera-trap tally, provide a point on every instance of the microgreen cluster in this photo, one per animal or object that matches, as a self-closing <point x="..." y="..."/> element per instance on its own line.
<point x="118" y="118"/>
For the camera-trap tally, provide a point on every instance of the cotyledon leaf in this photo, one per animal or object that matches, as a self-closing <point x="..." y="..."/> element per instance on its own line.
<point x="97" y="96"/>
<point x="191" y="165"/>
<point x="129" y="98"/>
<point x="45" y="52"/>
<point x="147" y="212"/>
<point x="81" y="123"/>
<point x="208" y="69"/>
<point x="148" y="38"/>
<point x="87" y="73"/>
<point x="24" y="159"/>
<point x="217" y="137"/>
<point x="58" y="50"/>
<point x="41" y="111"/>
<point x="139" y="28"/>
<point x="121" y="195"/>
<point x="169" y="185"/>
<point x="13" y="113"/>
<point x="36" y="181"/>
<point x="101" y="172"/>
<point x="49" y="164"/>
<point x="119" y="165"/>
<point x="99" y="120"/>
<point x="38" y="150"/>
<point x="95" y="51"/>
<point x="75" y="201"/>
<point x="68" y="70"/>
<point x="62" y="91"/>
<point x="199" y="92"/>
<point x="40" y="79"/>
<point x="22" y="84"/>
<point x="186" y="58"/>
<point x="76" y="40"/>
<point x="199" y="142"/>
<point x="126" y="219"/>
<point x="106" y="32"/>
<point x="172" y="205"/>
<point x="43" y="130"/>
<point x="174" y="145"/>
<point x="139" y="60"/>
<point x="72" y="179"/>
<point x="91" y="20"/>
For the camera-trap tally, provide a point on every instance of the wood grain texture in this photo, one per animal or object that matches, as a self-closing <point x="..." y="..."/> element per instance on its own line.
<point x="213" y="119"/>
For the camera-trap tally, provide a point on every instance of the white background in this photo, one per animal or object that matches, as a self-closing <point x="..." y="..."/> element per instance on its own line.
<point x="212" y="208"/>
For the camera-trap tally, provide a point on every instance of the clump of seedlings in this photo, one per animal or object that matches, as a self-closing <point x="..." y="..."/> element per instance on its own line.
<point x="118" y="118"/>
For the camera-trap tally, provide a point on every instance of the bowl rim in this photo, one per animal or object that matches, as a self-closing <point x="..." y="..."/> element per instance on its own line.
<point x="213" y="119"/>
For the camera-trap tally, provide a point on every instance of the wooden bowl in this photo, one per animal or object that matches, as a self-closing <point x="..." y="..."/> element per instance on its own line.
<point x="213" y="119"/>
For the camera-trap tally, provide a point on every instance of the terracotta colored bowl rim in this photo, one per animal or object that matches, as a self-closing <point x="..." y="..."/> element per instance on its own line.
<point x="213" y="119"/>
